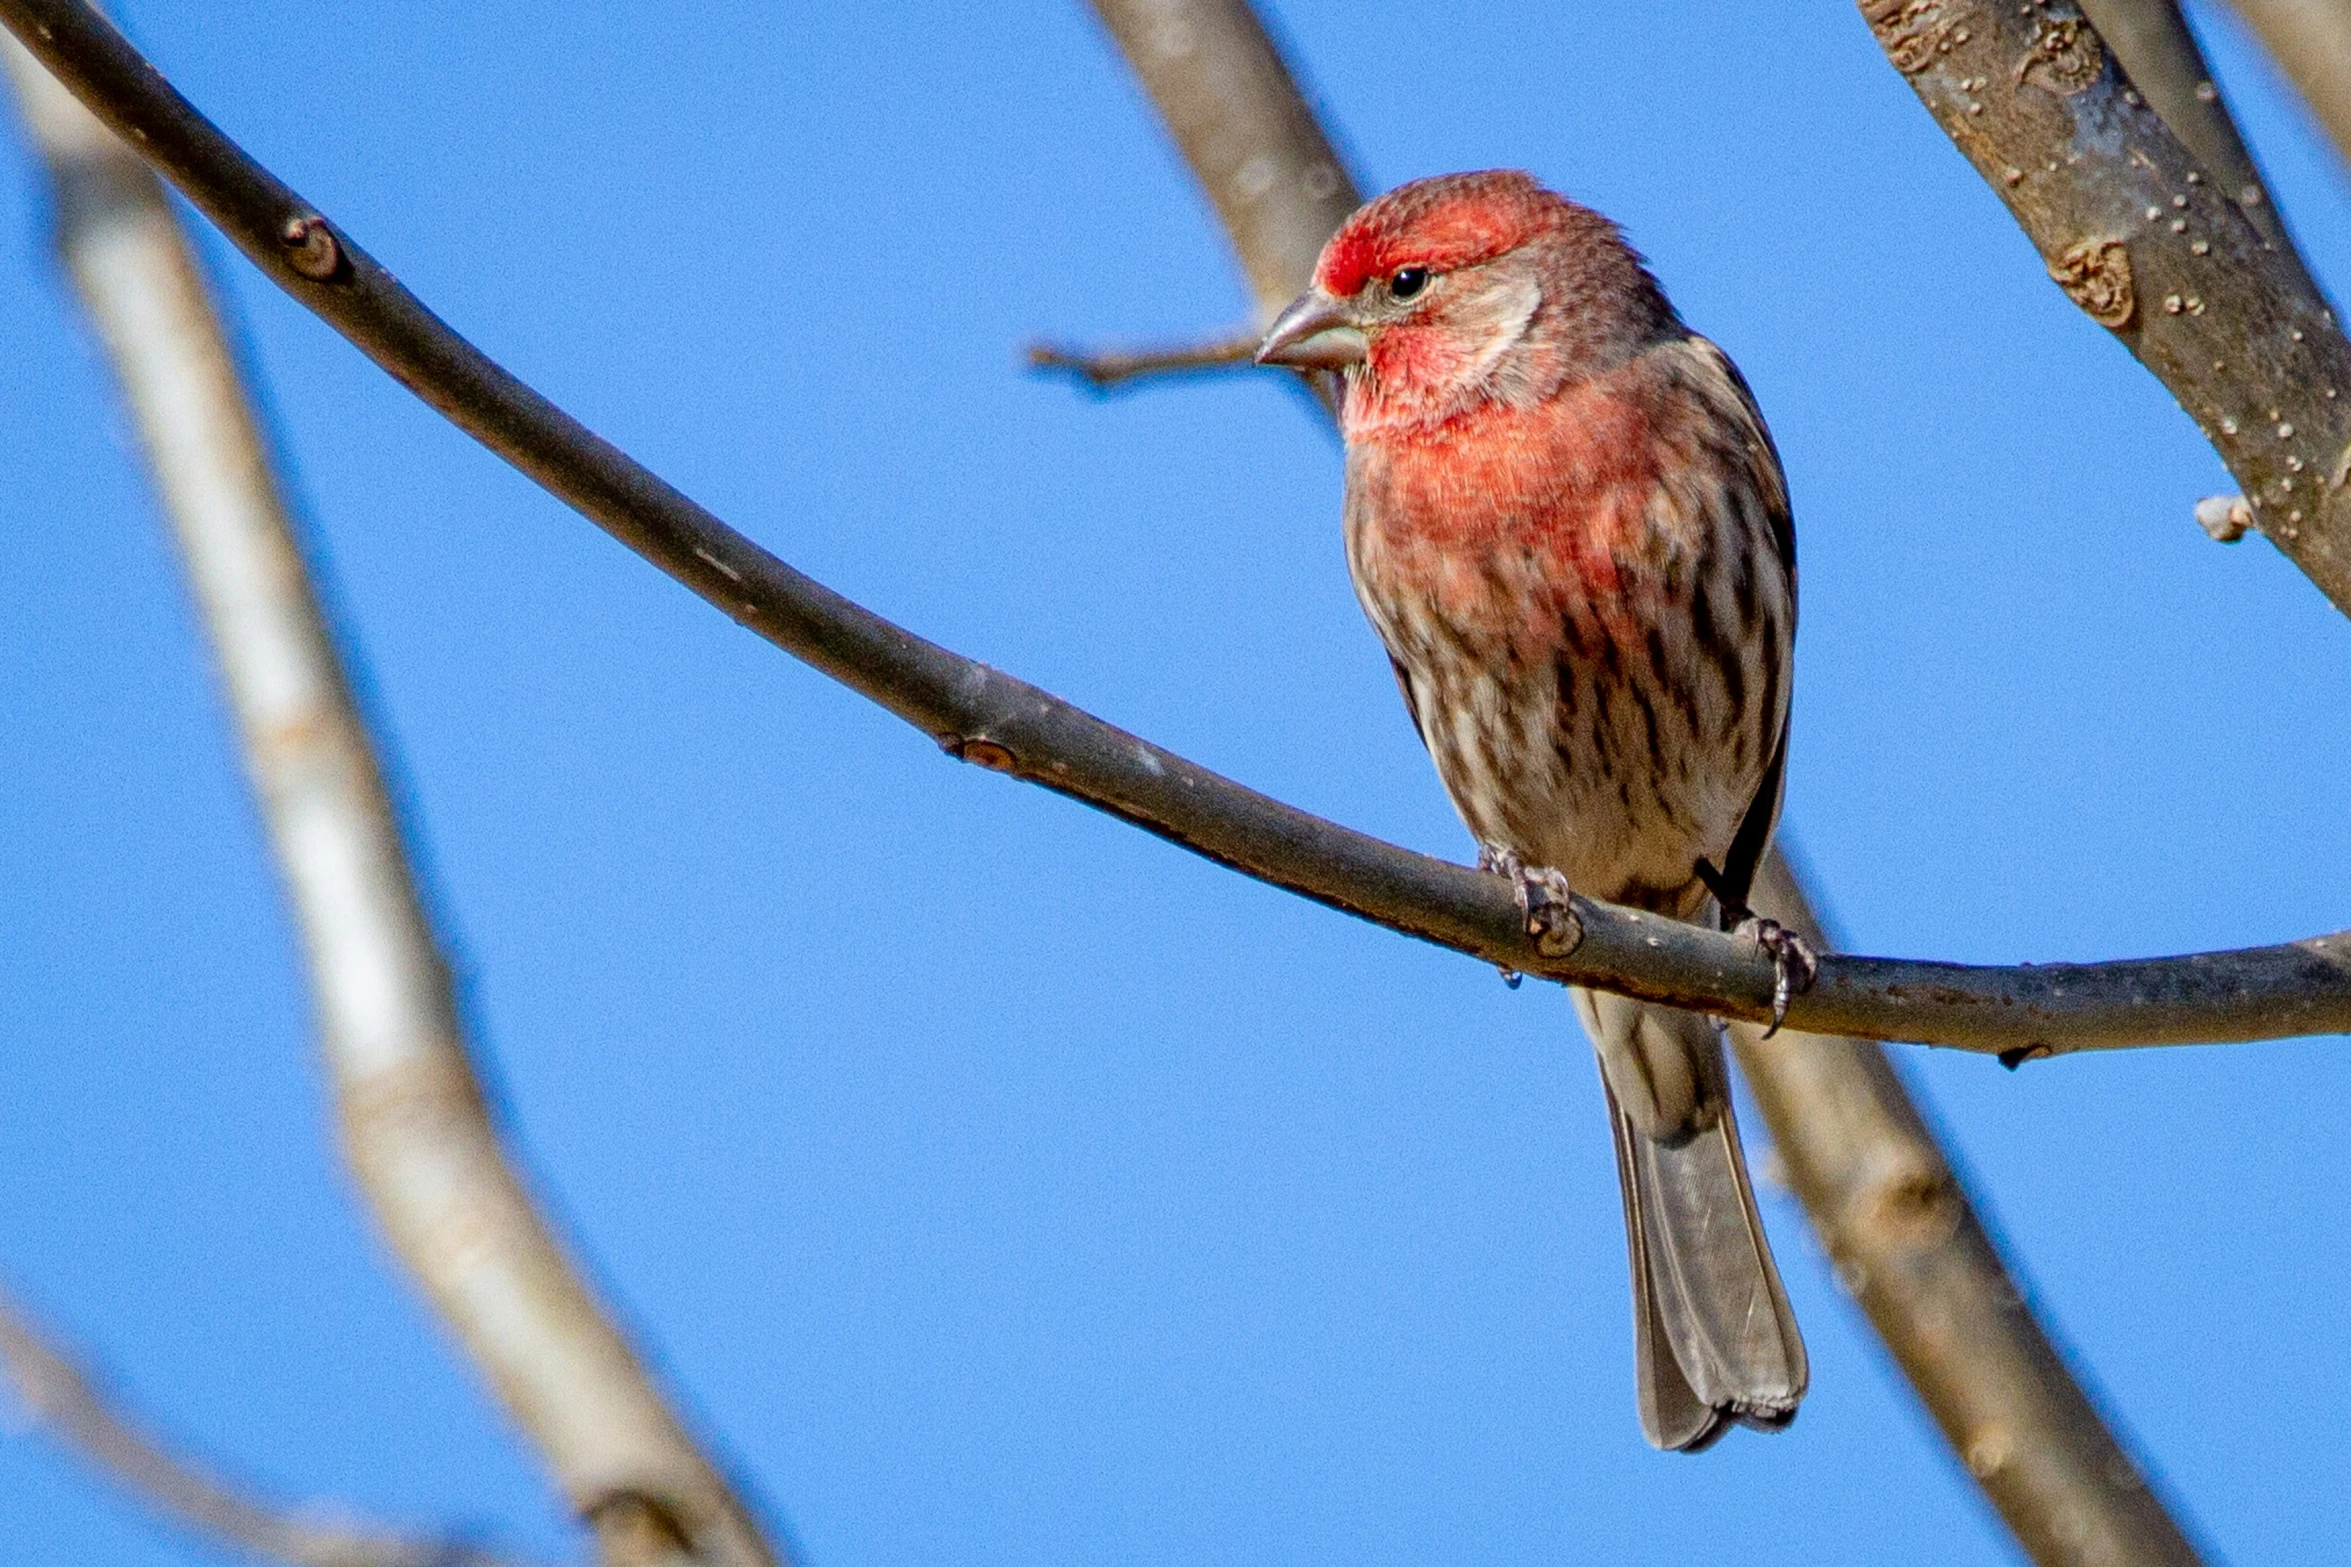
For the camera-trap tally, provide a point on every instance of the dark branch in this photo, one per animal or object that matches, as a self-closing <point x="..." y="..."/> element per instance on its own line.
<point x="981" y="715"/>
<point x="1110" y="368"/>
<point x="58" y="1394"/>
<point x="2149" y="244"/>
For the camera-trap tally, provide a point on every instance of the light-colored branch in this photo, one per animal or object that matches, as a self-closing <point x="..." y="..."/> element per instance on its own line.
<point x="2140" y="236"/>
<point x="1103" y="369"/>
<point x="1895" y="1218"/>
<point x="2311" y="42"/>
<point x="1233" y="106"/>
<point x="983" y="716"/>
<point x="1905" y="1240"/>
<point x="415" y="1124"/>
<point x="2163" y="60"/>
<point x="64" y="1398"/>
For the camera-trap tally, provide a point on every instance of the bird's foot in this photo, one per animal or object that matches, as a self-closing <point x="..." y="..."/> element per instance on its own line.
<point x="1793" y="965"/>
<point x="1545" y="904"/>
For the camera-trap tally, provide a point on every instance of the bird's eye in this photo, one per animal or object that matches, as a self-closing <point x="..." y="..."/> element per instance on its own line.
<point x="1407" y="281"/>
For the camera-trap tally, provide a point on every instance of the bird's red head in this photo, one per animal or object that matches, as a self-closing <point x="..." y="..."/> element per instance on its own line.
<point x="1465" y="290"/>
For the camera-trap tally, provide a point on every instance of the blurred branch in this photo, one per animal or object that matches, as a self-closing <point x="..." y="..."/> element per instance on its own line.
<point x="1252" y="140"/>
<point x="2138" y="235"/>
<point x="1105" y="369"/>
<point x="1907" y="1243"/>
<point x="2311" y="41"/>
<point x="60" y="1395"/>
<point x="2161" y="57"/>
<point x="1895" y="1218"/>
<point x="1007" y="725"/>
<point x="415" y="1124"/>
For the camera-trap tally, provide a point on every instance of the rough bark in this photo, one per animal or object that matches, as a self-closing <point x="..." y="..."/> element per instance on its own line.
<point x="2161" y="57"/>
<point x="2152" y="247"/>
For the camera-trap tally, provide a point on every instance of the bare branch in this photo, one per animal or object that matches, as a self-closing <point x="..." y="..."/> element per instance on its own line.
<point x="415" y="1125"/>
<point x="1907" y="1243"/>
<point x="1007" y="725"/>
<point x="2311" y="40"/>
<point x="1105" y="369"/>
<point x="2163" y="60"/>
<point x="2146" y="241"/>
<point x="60" y="1395"/>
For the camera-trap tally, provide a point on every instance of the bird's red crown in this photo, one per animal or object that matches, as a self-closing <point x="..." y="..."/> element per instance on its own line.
<point x="1454" y="220"/>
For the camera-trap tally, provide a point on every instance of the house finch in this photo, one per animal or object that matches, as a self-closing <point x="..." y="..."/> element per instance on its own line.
<point x="1566" y="521"/>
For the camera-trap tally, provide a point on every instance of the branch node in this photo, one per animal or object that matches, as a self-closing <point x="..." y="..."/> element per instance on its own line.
<point x="312" y="249"/>
<point x="990" y="754"/>
<point x="2226" y="517"/>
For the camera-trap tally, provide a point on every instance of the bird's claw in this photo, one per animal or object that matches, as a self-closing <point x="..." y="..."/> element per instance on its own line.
<point x="1793" y="965"/>
<point x="1545" y="904"/>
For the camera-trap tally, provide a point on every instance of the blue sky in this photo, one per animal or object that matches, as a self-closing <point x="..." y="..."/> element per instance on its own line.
<point x="999" y="1184"/>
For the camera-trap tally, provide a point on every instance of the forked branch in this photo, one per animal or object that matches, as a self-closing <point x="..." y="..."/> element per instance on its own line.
<point x="984" y="716"/>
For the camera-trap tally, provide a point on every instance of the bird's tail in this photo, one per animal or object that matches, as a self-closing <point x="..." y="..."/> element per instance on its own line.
<point x="1715" y="1341"/>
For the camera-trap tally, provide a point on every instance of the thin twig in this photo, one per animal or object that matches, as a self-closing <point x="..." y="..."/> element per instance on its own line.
<point x="983" y="716"/>
<point x="1863" y="1160"/>
<point x="2311" y="42"/>
<point x="60" y="1395"/>
<point x="415" y="1125"/>
<point x="2163" y="60"/>
<point x="1907" y="1243"/>
<point x="2148" y="242"/>
<point x="1105" y="369"/>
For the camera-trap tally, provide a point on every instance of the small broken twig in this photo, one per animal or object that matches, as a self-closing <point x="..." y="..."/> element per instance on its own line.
<point x="1105" y="370"/>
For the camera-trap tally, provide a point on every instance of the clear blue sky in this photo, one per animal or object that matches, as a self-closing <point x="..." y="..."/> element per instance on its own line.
<point x="998" y="1183"/>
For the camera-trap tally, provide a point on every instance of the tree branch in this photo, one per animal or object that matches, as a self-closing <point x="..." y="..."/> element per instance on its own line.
<point x="1906" y="1241"/>
<point x="2311" y="42"/>
<point x="1897" y="1222"/>
<point x="1103" y="369"/>
<point x="415" y="1125"/>
<point x="1252" y="140"/>
<point x="60" y="1395"/>
<point x="983" y="716"/>
<point x="2145" y="241"/>
<point x="2161" y="57"/>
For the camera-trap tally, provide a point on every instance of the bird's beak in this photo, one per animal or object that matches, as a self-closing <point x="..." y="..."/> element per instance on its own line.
<point x="1313" y="334"/>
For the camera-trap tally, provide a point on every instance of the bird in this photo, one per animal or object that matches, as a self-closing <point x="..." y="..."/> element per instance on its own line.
<point x="1567" y="521"/>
